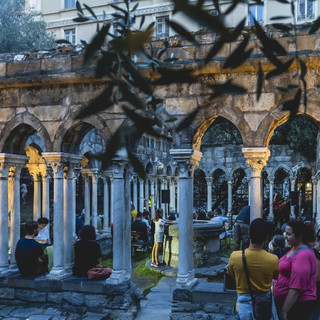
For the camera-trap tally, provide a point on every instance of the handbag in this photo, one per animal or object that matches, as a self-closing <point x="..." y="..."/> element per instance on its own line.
<point x="261" y="303"/>
<point x="229" y="282"/>
<point x="99" y="272"/>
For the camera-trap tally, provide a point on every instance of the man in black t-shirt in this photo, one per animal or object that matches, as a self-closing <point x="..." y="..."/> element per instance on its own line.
<point x="139" y="226"/>
<point x="29" y="253"/>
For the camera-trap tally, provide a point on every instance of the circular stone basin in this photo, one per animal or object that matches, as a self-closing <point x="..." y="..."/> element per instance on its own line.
<point x="206" y="244"/>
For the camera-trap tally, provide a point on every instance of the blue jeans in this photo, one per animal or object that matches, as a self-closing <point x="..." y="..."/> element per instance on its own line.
<point x="244" y="304"/>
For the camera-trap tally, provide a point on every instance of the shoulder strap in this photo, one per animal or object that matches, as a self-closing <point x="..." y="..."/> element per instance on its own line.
<point x="247" y="273"/>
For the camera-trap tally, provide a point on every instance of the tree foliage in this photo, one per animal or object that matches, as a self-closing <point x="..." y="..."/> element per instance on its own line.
<point x="126" y="57"/>
<point x="22" y="30"/>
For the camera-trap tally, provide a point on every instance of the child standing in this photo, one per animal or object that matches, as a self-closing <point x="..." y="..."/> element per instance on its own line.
<point x="158" y="237"/>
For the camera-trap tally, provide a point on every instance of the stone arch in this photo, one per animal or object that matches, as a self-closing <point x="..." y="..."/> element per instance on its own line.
<point x="169" y="171"/>
<point x="150" y="168"/>
<point x="76" y="129"/>
<point x="202" y="124"/>
<point x="215" y="169"/>
<point x="17" y="131"/>
<point x="283" y="166"/>
<point x="70" y="135"/>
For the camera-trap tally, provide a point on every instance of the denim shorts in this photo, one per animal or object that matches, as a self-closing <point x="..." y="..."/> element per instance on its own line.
<point x="158" y="237"/>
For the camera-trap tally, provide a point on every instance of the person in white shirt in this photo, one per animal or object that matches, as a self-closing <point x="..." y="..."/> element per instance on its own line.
<point x="218" y="217"/>
<point x="43" y="236"/>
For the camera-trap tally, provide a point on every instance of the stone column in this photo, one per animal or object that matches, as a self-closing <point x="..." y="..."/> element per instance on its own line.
<point x="314" y="196"/>
<point x="4" y="172"/>
<point x="172" y="197"/>
<point x="163" y="205"/>
<point x="292" y="183"/>
<point x="152" y="190"/>
<point x="76" y="175"/>
<point x="45" y="193"/>
<point x="186" y="160"/>
<point x="209" y="194"/>
<point x="85" y="175"/>
<point x="94" y="218"/>
<point x="271" y="215"/>
<point x="256" y="158"/>
<point x="146" y="194"/>
<point x="15" y="208"/>
<point x="141" y="195"/>
<point x="229" y="195"/>
<point x="119" y="273"/>
<point x="57" y="161"/>
<point x="112" y="199"/>
<point x="178" y="195"/>
<point x="135" y="192"/>
<point x="106" y="222"/>
<point x="36" y="193"/>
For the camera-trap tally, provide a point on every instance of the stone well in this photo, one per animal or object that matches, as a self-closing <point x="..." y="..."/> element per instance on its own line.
<point x="206" y="244"/>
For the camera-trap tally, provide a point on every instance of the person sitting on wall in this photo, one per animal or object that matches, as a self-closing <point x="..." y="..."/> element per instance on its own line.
<point x="241" y="228"/>
<point x="43" y="236"/>
<point x="29" y="253"/>
<point x="218" y="217"/>
<point x="87" y="252"/>
<point x="79" y="222"/>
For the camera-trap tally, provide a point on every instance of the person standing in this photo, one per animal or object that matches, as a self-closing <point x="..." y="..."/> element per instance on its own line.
<point x="263" y="267"/>
<point x="295" y="291"/>
<point x="241" y="228"/>
<point x="29" y="253"/>
<point x="24" y="192"/>
<point x="158" y="237"/>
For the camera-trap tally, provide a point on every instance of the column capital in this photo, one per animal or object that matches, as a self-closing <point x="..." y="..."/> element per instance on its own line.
<point x="95" y="174"/>
<point x="314" y="179"/>
<point x="186" y="159"/>
<point x="256" y="158"/>
<point x="271" y="180"/>
<point x="209" y="180"/>
<point x="292" y="179"/>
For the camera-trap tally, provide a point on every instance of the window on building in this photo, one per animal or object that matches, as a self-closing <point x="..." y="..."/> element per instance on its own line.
<point x="70" y="35"/>
<point x="305" y="9"/>
<point x="162" y="27"/>
<point x="68" y="4"/>
<point x="255" y="12"/>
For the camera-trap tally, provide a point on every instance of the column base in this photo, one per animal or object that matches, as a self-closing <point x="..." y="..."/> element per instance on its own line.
<point x="8" y="270"/>
<point x="186" y="281"/>
<point x="58" y="273"/>
<point x="118" y="277"/>
<point x="106" y="233"/>
<point x="68" y="268"/>
<point x="270" y="218"/>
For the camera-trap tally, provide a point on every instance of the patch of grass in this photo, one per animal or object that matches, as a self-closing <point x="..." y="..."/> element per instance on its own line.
<point x="147" y="290"/>
<point x="142" y="271"/>
<point x="107" y="261"/>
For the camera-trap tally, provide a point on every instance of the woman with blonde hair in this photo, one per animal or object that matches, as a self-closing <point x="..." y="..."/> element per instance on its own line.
<point x="158" y="237"/>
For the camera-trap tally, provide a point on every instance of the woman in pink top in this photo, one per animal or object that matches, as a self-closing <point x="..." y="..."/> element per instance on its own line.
<point x="295" y="290"/>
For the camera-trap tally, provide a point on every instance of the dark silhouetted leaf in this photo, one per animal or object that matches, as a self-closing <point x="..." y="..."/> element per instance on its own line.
<point x="133" y="40"/>
<point x="293" y="105"/>
<point x="289" y="88"/>
<point x="279" y="70"/>
<point x="131" y="97"/>
<point x="280" y="18"/>
<point x="283" y="1"/>
<point x="197" y="14"/>
<point x="90" y="10"/>
<point x="259" y="81"/>
<point x="111" y="149"/>
<point x="215" y="49"/>
<point x="282" y="27"/>
<point x="226" y="88"/>
<point x="161" y="52"/>
<point x="105" y="64"/>
<point x="102" y="102"/>
<point x="96" y="43"/>
<point x="238" y="56"/>
<point x="81" y="19"/>
<point x="171" y="119"/>
<point x="237" y="31"/>
<point x="137" y="165"/>
<point x="272" y="44"/>
<point x="135" y="7"/>
<point x="78" y="6"/>
<point x="216" y="5"/>
<point x="315" y="26"/>
<point x="169" y="76"/>
<point x="61" y="41"/>
<point x="182" y="31"/>
<point x="119" y="9"/>
<point x="303" y="69"/>
<point x="143" y="18"/>
<point x="186" y="122"/>
<point x="141" y="81"/>
<point x="271" y="57"/>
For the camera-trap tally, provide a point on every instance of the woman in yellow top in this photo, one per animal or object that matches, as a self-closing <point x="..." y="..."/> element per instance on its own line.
<point x="263" y="267"/>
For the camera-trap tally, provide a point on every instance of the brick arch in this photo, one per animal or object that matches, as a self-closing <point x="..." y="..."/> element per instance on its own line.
<point x="71" y="132"/>
<point x="17" y="131"/>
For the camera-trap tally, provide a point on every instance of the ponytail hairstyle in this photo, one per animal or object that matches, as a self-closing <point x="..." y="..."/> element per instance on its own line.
<point x="158" y="215"/>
